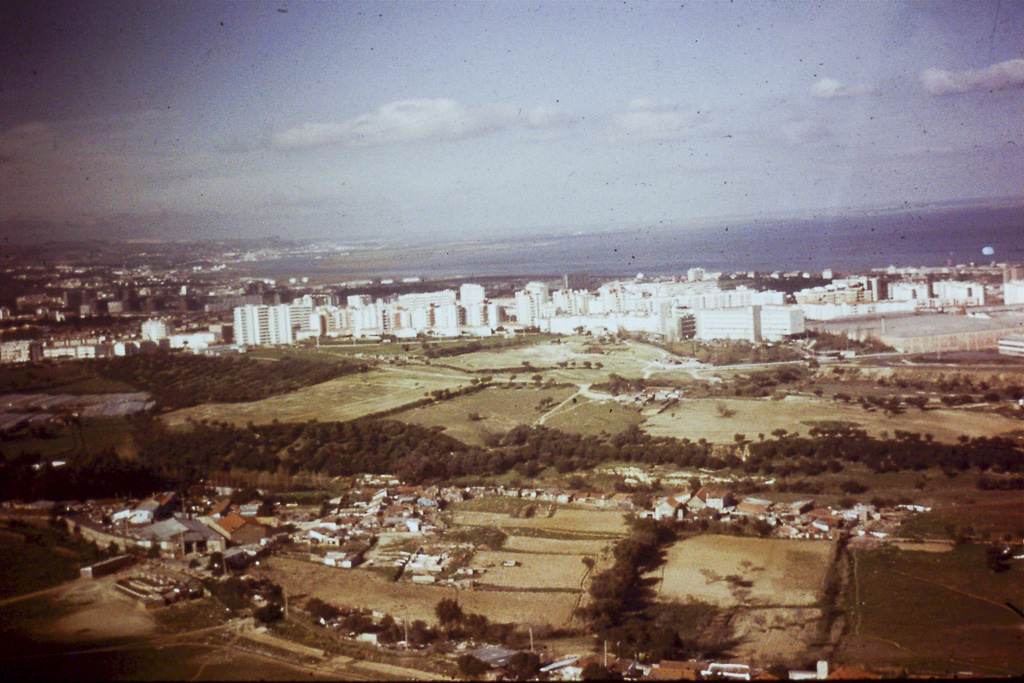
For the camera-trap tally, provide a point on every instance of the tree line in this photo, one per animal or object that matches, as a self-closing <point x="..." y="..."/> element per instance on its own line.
<point x="179" y="380"/>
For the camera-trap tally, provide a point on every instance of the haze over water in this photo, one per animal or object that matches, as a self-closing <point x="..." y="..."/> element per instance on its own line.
<point x="843" y="244"/>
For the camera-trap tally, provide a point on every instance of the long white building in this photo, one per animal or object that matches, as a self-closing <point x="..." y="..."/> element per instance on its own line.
<point x="263" y="325"/>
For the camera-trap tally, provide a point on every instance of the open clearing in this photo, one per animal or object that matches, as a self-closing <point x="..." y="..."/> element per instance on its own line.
<point x="700" y="418"/>
<point x="782" y="572"/>
<point x="566" y="522"/>
<point x="345" y="398"/>
<point x="590" y="418"/>
<point x="499" y="409"/>
<point x="551" y="546"/>
<point x="545" y="572"/>
<point x="356" y="588"/>
<point x="939" y="612"/>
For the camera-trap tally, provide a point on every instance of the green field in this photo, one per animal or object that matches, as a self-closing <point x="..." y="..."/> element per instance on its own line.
<point x="936" y="612"/>
<point x="589" y="417"/>
<point x="471" y="419"/>
<point x="35" y="557"/>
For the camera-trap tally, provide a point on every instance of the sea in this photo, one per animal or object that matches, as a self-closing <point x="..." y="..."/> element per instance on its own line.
<point x="937" y="237"/>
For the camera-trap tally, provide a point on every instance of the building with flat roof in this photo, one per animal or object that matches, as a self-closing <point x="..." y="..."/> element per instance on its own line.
<point x="1012" y="345"/>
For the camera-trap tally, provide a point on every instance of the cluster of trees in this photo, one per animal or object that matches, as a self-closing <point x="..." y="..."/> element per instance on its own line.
<point x="732" y="352"/>
<point x="179" y="380"/>
<point x="418" y="454"/>
<point x="622" y="610"/>
<point x="102" y="474"/>
<point x="831" y="448"/>
<point x="827" y="341"/>
<point x="335" y="449"/>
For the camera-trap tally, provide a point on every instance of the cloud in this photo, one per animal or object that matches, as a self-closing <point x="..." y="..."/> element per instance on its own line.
<point x="831" y="89"/>
<point x="417" y="119"/>
<point x="1001" y="76"/>
<point x="658" y="120"/>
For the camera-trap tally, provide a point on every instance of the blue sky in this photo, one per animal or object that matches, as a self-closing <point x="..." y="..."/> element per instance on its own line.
<point x="442" y="120"/>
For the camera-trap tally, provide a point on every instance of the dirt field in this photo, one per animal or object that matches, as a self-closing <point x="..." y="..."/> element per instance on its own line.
<point x="566" y="521"/>
<point x="700" y="418"/>
<point x="781" y="572"/>
<point x="345" y="398"/>
<point x="501" y="409"/>
<point x="938" y="612"/>
<point x="550" y="546"/>
<point x="532" y="570"/>
<point x="406" y="600"/>
<point x="774" y="634"/>
<point x="80" y="610"/>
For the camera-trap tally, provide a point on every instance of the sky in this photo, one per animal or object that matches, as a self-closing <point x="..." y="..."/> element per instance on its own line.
<point x="436" y="121"/>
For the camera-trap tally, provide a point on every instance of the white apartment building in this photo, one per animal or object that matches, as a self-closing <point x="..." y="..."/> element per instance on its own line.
<point x="779" y="322"/>
<point x="155" y="330"/>
<point x="471" y="295"/>
<point x="1013" y="292"/>
<point x="729" y="323"/>
<point x="750" y="323"/>
<point x="954" y="293"/>
<point x="263" y="325"/>
<point x="910" y="291"/>
<point x="23" y="351"/>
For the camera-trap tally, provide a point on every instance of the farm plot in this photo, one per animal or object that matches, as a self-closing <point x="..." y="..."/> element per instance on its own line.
<point x="345" y="398"/>
<point x="553" y="546"/>
<point x="943" y="612"/>
<point x="495" y="410"/>
<point x="566" y="523"/>
<point x="703" y="418"/>
<point x="356" y="588"/>
<point x="731" y="571"/>
<point x="563" y="572"/>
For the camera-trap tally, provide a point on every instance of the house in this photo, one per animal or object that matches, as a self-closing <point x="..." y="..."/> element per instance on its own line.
<point x="240" y="530"/>
<point x="148" y="511"/>
<point x="671" y="507"/>
<point x="753" y="507"/>
<point x="221" y="508"/>
<point x="184" y="536"/>
<point x="716" y="498"/>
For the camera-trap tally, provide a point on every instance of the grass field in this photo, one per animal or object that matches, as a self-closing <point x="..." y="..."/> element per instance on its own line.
<point x="499" y="409"/>
<point x="938" y="612"/>
<point x="781" y="572"/>
<point x="35" y="557"/>
<point x="591" y="418"/>
<point x="345" y="398"/>
<point x="356" y="588"/>
<point x="992" y="512"/>
<point x="699" y="418"/>
<point x="29" y="567"/>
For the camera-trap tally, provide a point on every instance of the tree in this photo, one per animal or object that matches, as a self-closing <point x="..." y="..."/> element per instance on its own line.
<point x="523" y="666"/>
<point x="471" y="667"/>
<point x="448" y="611"/>
<point x="595" y="672"/>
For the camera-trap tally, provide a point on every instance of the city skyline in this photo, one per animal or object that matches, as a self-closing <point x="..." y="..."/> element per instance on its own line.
<point x="408" y="121"/>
